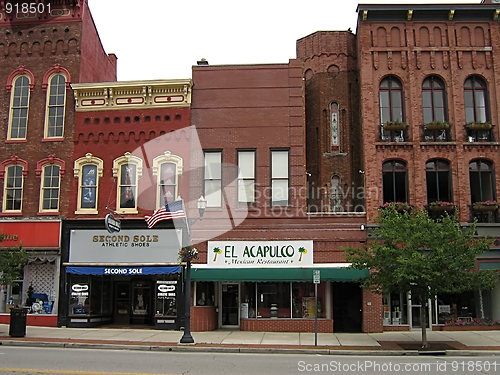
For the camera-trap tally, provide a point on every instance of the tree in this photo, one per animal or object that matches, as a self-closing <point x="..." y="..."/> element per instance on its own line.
<point x="12" y="260"/>
<point x="414" y="253"/>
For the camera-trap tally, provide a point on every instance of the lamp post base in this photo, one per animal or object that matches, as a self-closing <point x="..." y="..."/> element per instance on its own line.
<point x="187" y="338"/>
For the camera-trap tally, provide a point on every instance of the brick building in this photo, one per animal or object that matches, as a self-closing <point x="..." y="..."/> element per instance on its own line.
<point x="43" y="53"/>
<point x="429" y="105"/>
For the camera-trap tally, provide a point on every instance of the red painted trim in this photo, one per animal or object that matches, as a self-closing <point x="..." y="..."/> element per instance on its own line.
<point x="11" y="214"/>
<point x="37" y="233"/>
<point x="56" y="69"/>
<point x="21" y="70"/>
<point x="48" y="214"/>
<point x="50" y="160"/>
<point x="33" y="320"/>
<point x="16" y="141"/>
<point x="13" y="160"/>
<point x="52" y="139"/>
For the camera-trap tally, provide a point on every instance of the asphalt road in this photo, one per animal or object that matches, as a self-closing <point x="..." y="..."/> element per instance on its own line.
<point x="16" y="360"/>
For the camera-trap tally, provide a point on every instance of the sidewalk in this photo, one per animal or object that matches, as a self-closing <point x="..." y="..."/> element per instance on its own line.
<point x="387" y="343"/>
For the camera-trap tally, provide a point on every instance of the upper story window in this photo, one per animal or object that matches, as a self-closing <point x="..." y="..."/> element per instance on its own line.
<point x="280" y="178"/>
<point x="475" y="100"/>
<point x="56" y="104"/>
<point x="438" y="177"/>
<point x="50" y="171"/>
<point x="246" y="178"/>
<point x="88" y="170"/>
<point x="13" y="171"/>
<point x="391" y="99"/>
<point x="19" y="105"/>
<point x="167" y="168"/>
<point x="482" y="183"/>
<point x="434" y="100"/>
<point x="395" y="181"/>
<point x="212" y="181"/>
<point x="334" y="128"/>
<point x="128" y="170"/>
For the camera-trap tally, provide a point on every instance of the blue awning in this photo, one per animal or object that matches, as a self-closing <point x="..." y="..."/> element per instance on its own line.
<point x="123" y="270"/>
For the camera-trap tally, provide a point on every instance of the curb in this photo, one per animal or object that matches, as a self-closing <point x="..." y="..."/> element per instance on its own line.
<point x="222" y="349"/>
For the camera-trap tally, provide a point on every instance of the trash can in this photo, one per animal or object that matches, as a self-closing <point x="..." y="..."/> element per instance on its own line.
<point x="17" y="327"/>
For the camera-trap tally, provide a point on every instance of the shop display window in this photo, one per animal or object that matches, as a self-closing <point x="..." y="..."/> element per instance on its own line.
<point x="395" y="309"/>
<point x="273" y="300"/>
<point x="166" y="296"/>
<point x="205" y="294"/>
<point x="452" y="307"/>
<point x="90" y="295"/>
<point x="79" y="302"/>
<point x="304" y="301"/>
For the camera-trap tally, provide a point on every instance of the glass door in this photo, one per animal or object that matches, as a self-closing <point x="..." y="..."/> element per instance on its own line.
<point x="415" y="312"/>
<point x="141" y="302"/>
<point x="230" y="302"/>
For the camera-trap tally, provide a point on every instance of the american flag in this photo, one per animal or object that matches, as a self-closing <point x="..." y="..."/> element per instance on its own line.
<point x="173" y="210"/>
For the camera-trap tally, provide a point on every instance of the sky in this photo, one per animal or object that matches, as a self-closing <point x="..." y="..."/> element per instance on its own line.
<point x="162" y="39"/>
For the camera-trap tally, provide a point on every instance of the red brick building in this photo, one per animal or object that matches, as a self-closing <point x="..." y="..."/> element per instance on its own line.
<point x="43" y="53"/>
<point x="429" y="105"/>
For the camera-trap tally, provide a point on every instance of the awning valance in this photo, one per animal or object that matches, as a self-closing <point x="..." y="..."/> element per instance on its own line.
<point x="137" y="271"/>
<point x="277" y="274"/>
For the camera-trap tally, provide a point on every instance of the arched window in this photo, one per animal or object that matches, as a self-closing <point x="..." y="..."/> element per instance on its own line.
<point x="334" y="128"/>
<point x="50" y="188"/>
<point x="127" y="169"/>
<point x="88" y="170"/>
<point x="482" y="185"/>
<point x="438" y="177"/>
<point x="391" y="107"/>
<point x="56" y="104"/>
<point x="395" y="181"/>
<point x="167" y="168"/>
<point x="434" y="100"/>
<point x="19" y="105"/>
<point x="13" y="171"/>
<point x="336" y="193"/>
<point x="476" y="100"/>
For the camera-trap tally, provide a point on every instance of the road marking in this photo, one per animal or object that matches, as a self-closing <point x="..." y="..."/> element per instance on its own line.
<point x="33" y="371"/>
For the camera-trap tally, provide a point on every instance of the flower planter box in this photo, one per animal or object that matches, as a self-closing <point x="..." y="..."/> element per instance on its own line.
<point x="479" y="126"/>
<point x="469" y="328"/>
<point x="485" y="207"/>
<point x="441" y="208"/>
<point x="394" y="126"/>
<point x="436" y="126"/>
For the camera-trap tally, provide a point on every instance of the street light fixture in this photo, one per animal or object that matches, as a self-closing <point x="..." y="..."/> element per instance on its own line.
<point x="186" y="337"/>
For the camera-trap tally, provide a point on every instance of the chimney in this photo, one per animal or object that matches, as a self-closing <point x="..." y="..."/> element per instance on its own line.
<point x="202" y="62"/>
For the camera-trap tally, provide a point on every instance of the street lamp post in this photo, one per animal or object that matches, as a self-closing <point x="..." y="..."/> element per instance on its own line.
<point x="186" y="337"/>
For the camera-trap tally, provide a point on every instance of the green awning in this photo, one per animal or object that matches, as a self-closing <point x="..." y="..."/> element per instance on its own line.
<point x="277" y="274"/>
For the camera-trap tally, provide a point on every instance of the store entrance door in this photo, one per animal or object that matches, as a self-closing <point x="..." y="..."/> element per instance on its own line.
<point x="416" y="311"/>
<point x="122" y="303"/>
<point x="347" y="307"/>
<point x="230" y="311"/>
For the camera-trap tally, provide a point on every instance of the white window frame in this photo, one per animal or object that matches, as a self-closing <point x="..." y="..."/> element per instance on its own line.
<point x="276" y="176"/>
<point x="11" y="107"/>
<point x="88" y="159"/>
<point x="167" y="157"/>
<point x="48" y="106"/>
<point x="127" y="158"/>
<point x="6" y="177"/>
<point x="43" y="188"/>
<point x="210" y="173"/>
<point x="244" y="177"/>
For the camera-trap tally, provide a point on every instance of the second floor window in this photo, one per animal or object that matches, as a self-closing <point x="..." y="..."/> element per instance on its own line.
<point x="482" y="187"/>
<point x="18" y="121"/>
<point x="246" y="178"/>
<point x="56" y="101"/>
<point x="13" y="192"/>
<point x="88" y="170"/>
<point x="475" y="100"/>
<point x="280" y="178"/>
<point x="391" y="100"/>
<point x="127" y="186"/>
<point x="394" y="181"/>
<point x="433" y="100"/>
<point x="438" y="176"/>
<point x="213" y="178"/>
<point x="50" y="188"/>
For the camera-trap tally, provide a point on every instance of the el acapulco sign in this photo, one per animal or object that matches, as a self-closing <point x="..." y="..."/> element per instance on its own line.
<point x="260" y="254"/>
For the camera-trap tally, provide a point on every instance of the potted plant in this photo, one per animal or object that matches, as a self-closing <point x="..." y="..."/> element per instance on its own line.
<point x="441" y="206"/>
<point x="485" y="206"/>
<point x="437" y="125"/>
<point x="394" y="125"/>
<point x="479" y="125"/>
<point x="187" y="254"/>
<point x="398" y="206"/>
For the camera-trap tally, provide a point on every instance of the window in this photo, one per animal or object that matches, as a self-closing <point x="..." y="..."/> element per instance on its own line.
<point x="279" y="178"/>
<point x="476" y="100"/>
<point x="56" y="103"/>
<point x="434" y="100"/>
<point x="334" y="128"/>
<point x="50" y="187"/>
<point x="394" y="181"/>
<point x="127" y="170"/>
<point x="213" y="178"/>
<point x="438" y="178"/>
<point x="481" y="181"/>
<point x="246" y="178"/>
<point x="167" y="168"/>
<point x="13" y="192"/>
<point x="19" y="103"/>
<point x="88" y="170"/>
<point x="391" y="108"/>
<point x="336" y="194"/>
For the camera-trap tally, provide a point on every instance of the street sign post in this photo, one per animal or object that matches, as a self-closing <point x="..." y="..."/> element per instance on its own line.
<point x="316" y="281"/>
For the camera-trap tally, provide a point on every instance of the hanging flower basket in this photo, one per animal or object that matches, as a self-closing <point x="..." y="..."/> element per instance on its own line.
<point x="479" y="126"/>
<point x="485" y="206"/>
<point x="187" y="254"/>
<point x="398" y="206"/>
<point x="437" y="125"/>
<point x="441" y="206"/>
<point x="394" y="125"/>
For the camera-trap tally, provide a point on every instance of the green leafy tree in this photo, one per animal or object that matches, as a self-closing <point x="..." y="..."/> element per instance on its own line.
<point x="414" y="253"/>
<point x="12" y="260"/>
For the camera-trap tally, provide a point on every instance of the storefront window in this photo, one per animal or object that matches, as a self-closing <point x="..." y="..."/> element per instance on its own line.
<point x="166" y="297"/>
<point x="456" y="307"/>
<point x="395" y="309"/>
<point x="90" y="295"/>
<point x="273" y="300"/>
<point x="79" y="302"/>
<point x="304" y="301"/>
<point x="205" y="295"/>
